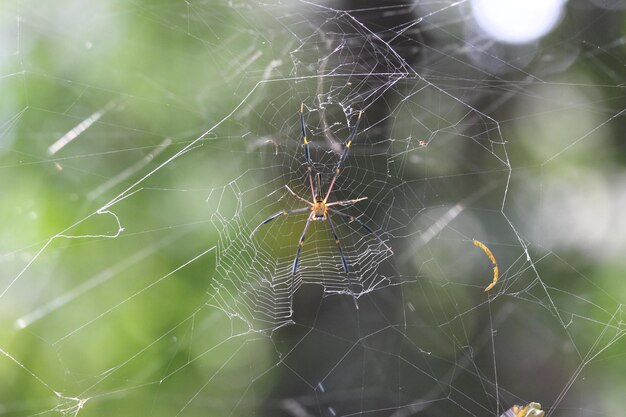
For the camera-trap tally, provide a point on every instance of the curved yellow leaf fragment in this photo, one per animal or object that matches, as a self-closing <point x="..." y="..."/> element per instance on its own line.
<point x="496" y="272"/>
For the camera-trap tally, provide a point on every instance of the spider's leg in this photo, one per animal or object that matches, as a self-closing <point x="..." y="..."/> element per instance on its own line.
<point x="344" y="155"/>
<point x="343" y="259"/>
<point x="296" y="261"/>
<point x="363" y="225"/>
<point x="297" y="196"/>
<point x="338" y="243"/>
<point x="345" y="202"/>
<point x="307" y="150"/>
<point x="280" y="213"/>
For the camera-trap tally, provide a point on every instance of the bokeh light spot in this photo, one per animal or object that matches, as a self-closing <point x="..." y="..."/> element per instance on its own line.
<point x="515" y="21"/>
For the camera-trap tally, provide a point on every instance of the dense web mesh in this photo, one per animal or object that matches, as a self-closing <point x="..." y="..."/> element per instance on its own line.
<point x="141" y="144"/>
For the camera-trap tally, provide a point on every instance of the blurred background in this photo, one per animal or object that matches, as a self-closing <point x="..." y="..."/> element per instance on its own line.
<point x="142" y="142"/>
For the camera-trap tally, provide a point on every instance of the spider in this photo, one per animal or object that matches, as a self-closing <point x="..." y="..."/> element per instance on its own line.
<point x="319" y="208"/>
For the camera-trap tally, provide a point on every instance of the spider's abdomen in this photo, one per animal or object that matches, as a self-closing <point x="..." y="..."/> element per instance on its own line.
<point x="319" y="210"/>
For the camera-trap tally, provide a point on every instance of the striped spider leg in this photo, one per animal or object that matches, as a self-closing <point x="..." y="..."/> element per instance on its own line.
<point x="368" y="229"/>
<point x="307" y="150"/>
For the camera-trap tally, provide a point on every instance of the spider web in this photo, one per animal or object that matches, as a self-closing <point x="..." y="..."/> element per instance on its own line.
<point x="142" y="143"/>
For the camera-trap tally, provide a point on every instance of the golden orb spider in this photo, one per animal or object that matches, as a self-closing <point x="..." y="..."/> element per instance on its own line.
<point x="319" y="207"/>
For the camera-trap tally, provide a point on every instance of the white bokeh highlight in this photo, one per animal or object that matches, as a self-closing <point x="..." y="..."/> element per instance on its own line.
<point x="517" y="21"/>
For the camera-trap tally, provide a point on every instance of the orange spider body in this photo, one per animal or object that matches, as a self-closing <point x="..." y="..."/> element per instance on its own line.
<point x="320" y="211"/>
